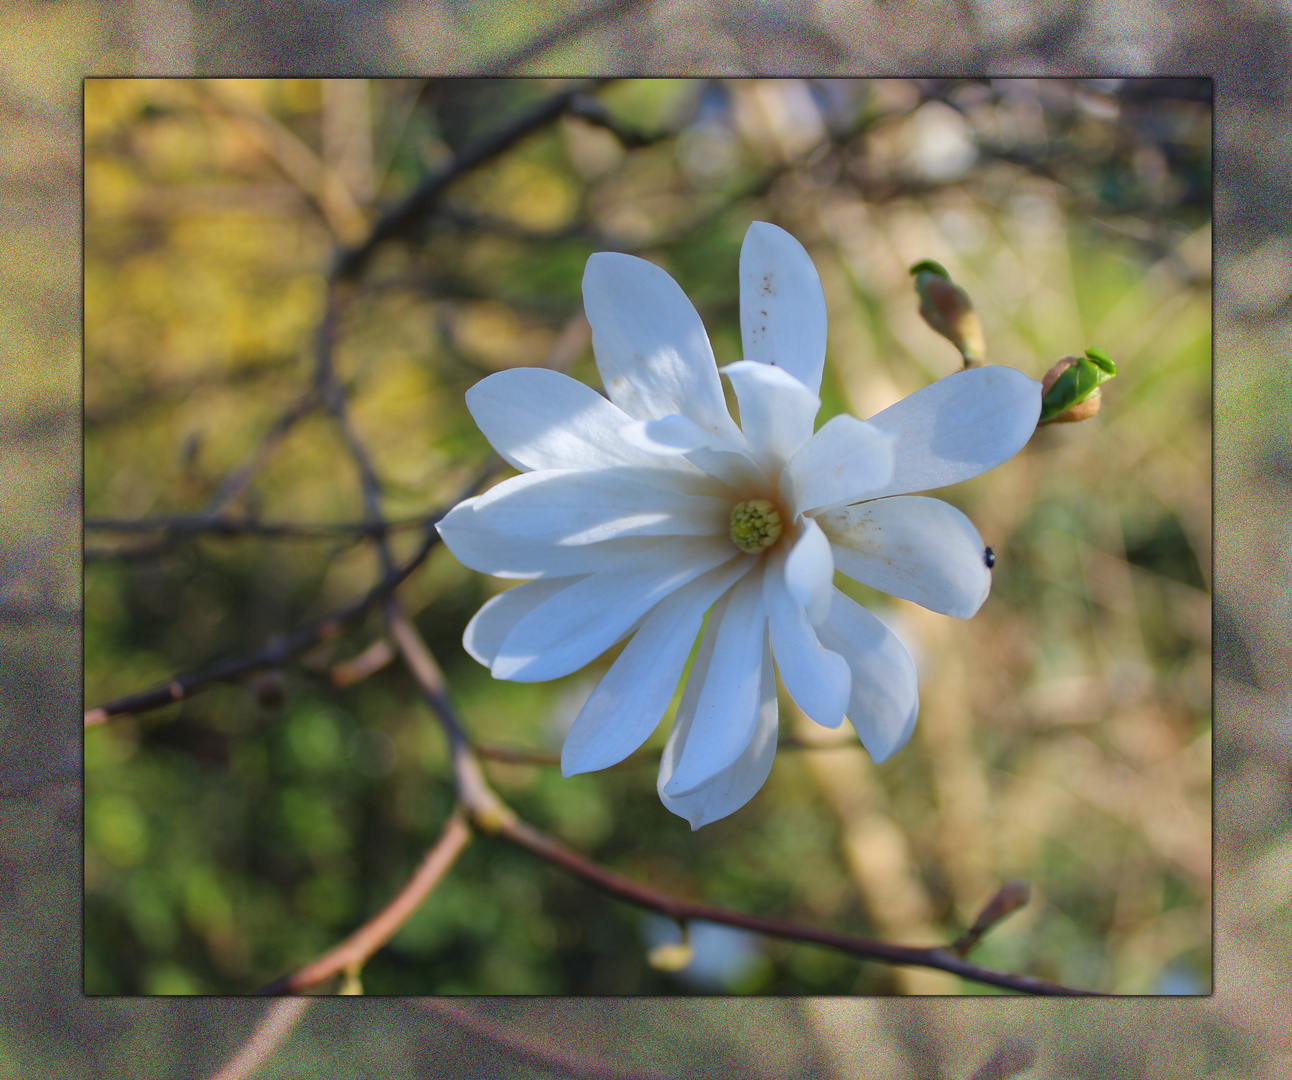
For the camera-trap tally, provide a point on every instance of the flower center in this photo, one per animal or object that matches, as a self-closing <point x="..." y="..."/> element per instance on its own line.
<point x="755" y="525"/>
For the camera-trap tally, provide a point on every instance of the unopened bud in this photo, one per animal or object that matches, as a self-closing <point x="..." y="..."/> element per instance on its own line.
<point x="1008" y="899"/>
<point x="947" y="309"/>
<point x="1071" y="390"/>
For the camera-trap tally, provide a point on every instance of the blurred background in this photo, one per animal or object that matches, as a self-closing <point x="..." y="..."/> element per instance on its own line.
<point x="1065" y="732"/>
<point x="48" y="1028"/>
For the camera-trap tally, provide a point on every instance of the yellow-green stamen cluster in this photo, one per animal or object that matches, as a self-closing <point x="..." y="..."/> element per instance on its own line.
<point x="755" y="525"/>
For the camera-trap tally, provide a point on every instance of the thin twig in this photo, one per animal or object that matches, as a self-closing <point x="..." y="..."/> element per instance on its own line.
<point x="353" y="953"/>
<point x="375" y="657"/>
<point x="277" y="1023"/>
<point x="400" y="219"/>
<point x="491" y="815"/>
<point x="1007" y="899"/>
<point x="333" y="396"/>
<point x="183" y="684"/>
<point x="545" y="1056"/>
<point x="486" y="809"/>
<point x="99" y="414"/>
<point x="321" y="185"/>
<point x="593" y="110"/>
<point x="233" y="484"/>
<point x="347" y="266"/>
<point x="933" y="956"/>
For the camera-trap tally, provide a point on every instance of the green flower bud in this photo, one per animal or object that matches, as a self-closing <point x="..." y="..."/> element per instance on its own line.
<point x="1071" y="390"/>
<point x="947" y="309"/>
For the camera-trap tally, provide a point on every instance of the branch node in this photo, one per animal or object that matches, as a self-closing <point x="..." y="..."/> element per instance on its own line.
<point x="1008" y="899"/>
<point x="351" y="985"/>
<point x="492" y="816"/>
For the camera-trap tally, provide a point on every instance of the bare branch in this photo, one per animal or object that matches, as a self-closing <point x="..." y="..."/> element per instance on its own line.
<point x="593" y="111"/>
<point x="400" y="219"/>
<point x="329" y="388"/>
<point x="234" y="484"/>
<point x="375" y="657"/>
<point x="1008" y="899"/>
<point x="933" y="956"/>
<point x="486" y="809"/>
<point x="353" y="953"/>
<point x="491" y="815"/>
<point x="320" y="183"/>
<point x="182" y="685"/>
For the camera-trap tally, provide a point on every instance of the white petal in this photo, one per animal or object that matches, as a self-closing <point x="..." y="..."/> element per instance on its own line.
<point x="726" y="711"/>
<point x="914" y="547"/>
<point x="782" y="307"/>
<point x="809" y="571"/>
<point x="576" y="506"/>
<point x="817" y="679"/>
<point x="673" y="436"/>
<point x="845" y="461"/>
<point x="651" y="348"/>
<point x="489" y="627"/>
<point x="735" y="785"/>
<point x="885" y="692"/>
<point x="482" y="549"/>
<point x="541" y="419"/>
<point x="958" y="427"/>
<point x="632" y="696"/>
<point x="677" y="436"/>
<point x="776" y="411"/>
<point x="579" y="624"/>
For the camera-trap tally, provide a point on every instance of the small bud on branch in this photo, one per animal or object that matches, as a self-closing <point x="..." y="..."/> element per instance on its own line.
<point x="947" y="309"/>
<point x="1008" y="899"/>
<point x="1071" y="390"/>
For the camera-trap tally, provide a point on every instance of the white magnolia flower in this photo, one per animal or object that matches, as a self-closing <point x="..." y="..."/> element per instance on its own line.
<point x="635" y="516"/>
